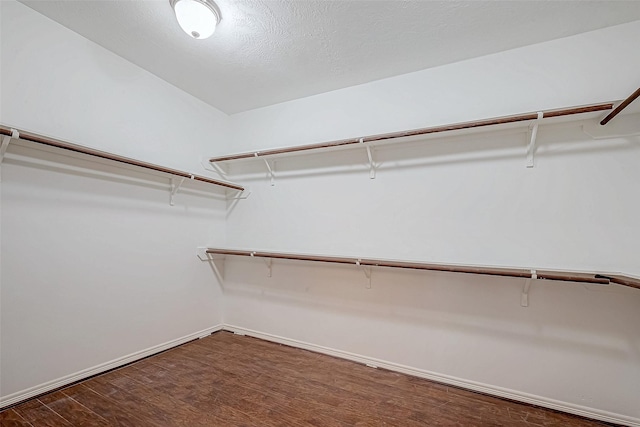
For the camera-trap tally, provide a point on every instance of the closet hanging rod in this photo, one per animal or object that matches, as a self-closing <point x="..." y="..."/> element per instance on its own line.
<point x="28" y="136"/>
<point x="566" y="276"/>
<point x="417" y="132"/>
<point x="621" y="107"/>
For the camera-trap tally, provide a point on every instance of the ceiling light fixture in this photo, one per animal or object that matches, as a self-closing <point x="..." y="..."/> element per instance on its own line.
<point x="198" y="18"/>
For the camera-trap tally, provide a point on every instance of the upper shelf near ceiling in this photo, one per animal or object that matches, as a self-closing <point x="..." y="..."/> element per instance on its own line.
<point x="528" y="118"/>
<point x="10" y="133"/>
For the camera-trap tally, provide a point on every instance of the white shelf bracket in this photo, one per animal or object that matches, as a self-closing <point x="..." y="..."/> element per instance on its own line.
<point x="3" y="148"/>
<point x="219" y="170"/>
<point x="270" y="169"/>
<point x="533" y="132"/>
<point x="242" y="195"/>
<point x="372" y="165"/>
<point x="175" y="187"/>
<point x="202" y="254"/>
<point x="366" y="271"/>
<point x="269" y="263"/>
<point x="218" y="269"/>
<point x="213" y="167"/>
<point x="524" y="299"/>
<point x="5" y="143"/>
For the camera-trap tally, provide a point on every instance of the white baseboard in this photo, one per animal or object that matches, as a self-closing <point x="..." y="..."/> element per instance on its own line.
<point x="441" y="378"/>
<point x="446" y="379"/>
<point x="69" y="379"/>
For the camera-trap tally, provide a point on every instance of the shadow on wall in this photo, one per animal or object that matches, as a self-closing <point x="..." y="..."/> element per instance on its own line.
<point x="417" y="152"/>
<point x="592" y="319"/>
<point x="97" y="174"/>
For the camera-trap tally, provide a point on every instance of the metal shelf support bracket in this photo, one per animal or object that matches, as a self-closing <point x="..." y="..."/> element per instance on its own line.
<point x="3" y="148"/>
<point x="213" y="260"/>
<point x="202" y="254"/>
<point x="5" y="143"/>
<point x="533" y="132"/>
<point x="372" y="165"/>
<point x="270" y="169"/>
<point x="269" y="263"/>
<point x="175" y="187"/>
<point x="524" y="299"/>
<point x="214" y="167"/>
<point x="366" y="271"/>
<point x="244" y="194"/>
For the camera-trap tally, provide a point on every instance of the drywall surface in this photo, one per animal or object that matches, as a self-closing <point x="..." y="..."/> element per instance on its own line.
<point x="96" y="266"/>
<point x="465" y="199"/>
<point x="573" y="349"/>
<point x="57" y="83"/>
<point x="587" y="68"/>
<point x="95" y="263"/>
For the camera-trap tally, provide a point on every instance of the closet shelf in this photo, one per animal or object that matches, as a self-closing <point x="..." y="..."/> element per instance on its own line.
<point x="28" y="136"/>
<point x="565" y="276"/>
<point x="387" y="137"/>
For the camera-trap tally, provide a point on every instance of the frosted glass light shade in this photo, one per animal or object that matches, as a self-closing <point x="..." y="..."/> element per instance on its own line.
<point x="198" y="18"/>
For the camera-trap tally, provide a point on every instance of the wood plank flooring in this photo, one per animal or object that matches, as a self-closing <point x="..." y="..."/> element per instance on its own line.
<point x="231" y="380"/>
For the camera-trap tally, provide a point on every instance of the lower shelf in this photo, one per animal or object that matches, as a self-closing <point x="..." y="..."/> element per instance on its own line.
<point x="566" y="276"/>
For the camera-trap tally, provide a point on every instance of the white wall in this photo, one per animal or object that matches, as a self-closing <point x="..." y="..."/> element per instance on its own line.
<point x="588" y="68"/>
<point x="466" y="200"/>
<point x="57" y="83"/>
<point x="95" y="263"/>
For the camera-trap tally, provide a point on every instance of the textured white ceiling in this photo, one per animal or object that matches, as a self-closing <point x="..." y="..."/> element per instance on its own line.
<point x="270" y="51"/>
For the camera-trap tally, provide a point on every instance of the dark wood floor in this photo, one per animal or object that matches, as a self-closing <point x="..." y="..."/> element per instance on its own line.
<point x="232" y="380"/>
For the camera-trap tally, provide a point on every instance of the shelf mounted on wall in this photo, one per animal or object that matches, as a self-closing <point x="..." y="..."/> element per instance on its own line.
<point x="531" y="120"/>
<point x="177" y="177"/>
<point x="367" y="264"/>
